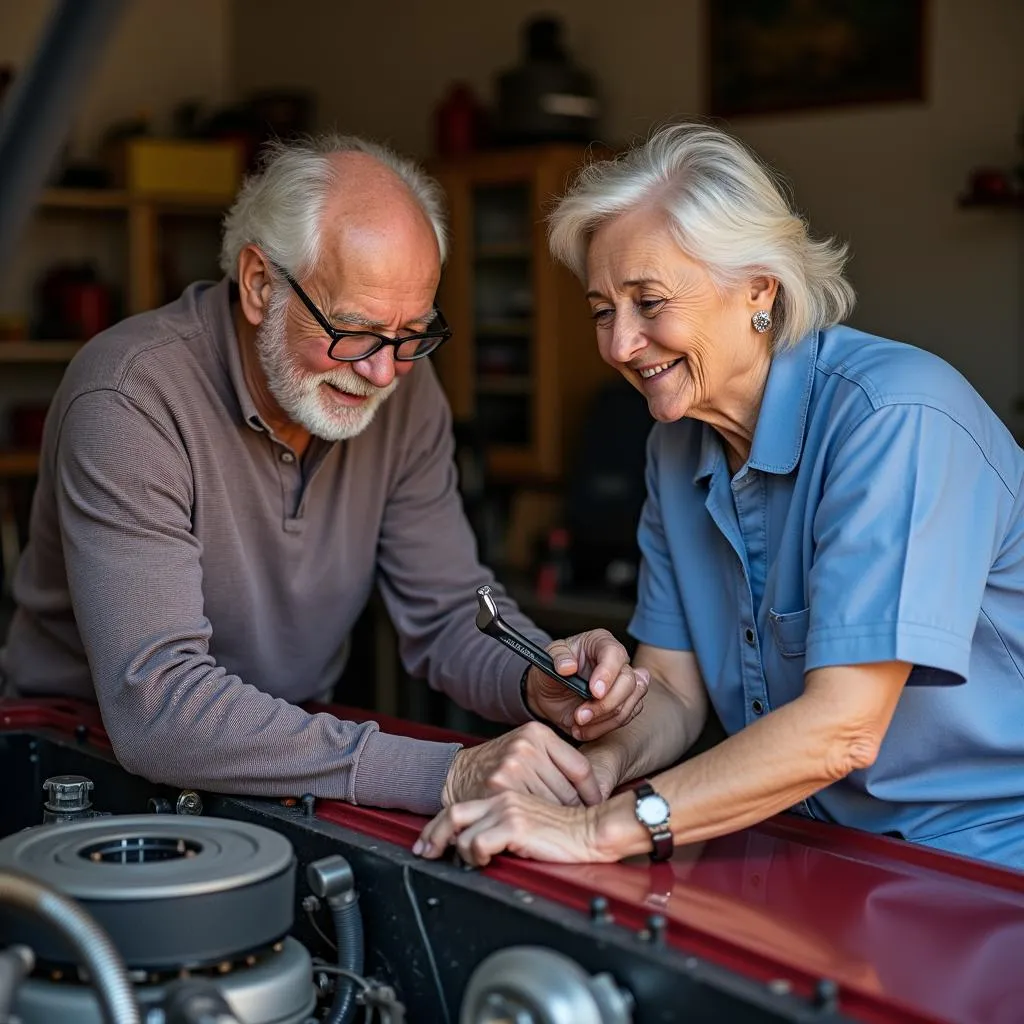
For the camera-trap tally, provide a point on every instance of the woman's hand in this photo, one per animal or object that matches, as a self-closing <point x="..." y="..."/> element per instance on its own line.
<point x="521" y="824"/>
<point x="606" y="767"/>
<point x="618" y="690"/>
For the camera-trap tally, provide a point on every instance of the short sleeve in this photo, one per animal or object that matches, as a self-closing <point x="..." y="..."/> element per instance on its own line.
<point x="659" y="619"/>
<point x="905" y="534"/>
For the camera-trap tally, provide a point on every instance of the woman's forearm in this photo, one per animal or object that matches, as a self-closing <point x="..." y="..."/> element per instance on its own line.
<point x="665" y="729"/>
<point x="768" y="767"/>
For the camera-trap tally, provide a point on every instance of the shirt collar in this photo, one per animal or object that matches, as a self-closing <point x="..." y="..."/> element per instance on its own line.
<point x="217" y="302"/>
<point x="710" y="453"/>
<point x="782" y="419"/>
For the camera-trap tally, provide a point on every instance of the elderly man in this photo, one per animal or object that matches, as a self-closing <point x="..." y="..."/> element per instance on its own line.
<point x="224" y="480"/>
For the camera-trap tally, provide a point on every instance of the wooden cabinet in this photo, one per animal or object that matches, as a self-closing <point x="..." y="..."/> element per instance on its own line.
<point x="522" y="362"/>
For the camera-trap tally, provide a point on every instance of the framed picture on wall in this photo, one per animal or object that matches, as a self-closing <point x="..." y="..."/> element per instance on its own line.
<point x="768" y="56"/>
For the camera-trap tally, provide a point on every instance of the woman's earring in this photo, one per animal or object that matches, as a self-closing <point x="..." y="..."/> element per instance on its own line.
<point x="761" y="321"/>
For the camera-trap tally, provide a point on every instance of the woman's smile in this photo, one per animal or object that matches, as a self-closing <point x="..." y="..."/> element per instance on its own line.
<point x="659" y="370"/>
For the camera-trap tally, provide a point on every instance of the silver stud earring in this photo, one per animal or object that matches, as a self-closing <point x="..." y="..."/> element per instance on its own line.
<point x="761" y="321"/>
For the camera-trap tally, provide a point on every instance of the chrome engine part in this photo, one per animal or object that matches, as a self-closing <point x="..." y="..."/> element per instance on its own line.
<point x="535" y="985"/>
<point x="275" y="989"/>
<point x="67" y="799"/>
<point x="180" y="897"/>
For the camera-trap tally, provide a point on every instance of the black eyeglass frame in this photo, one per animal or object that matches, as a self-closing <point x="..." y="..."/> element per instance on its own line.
<point x="441" y="334"/>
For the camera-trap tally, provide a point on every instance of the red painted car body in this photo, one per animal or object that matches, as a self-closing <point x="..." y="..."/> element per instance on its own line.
<point x="908" y="933"/>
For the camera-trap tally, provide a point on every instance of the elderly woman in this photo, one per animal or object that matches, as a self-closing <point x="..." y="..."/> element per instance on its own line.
<point x="833" y="544"/>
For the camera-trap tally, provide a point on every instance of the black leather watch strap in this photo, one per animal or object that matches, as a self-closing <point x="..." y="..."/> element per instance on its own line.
<point x="662" y="845"/>
<point x="523" y="696"/>
<point x="661" y="834"/>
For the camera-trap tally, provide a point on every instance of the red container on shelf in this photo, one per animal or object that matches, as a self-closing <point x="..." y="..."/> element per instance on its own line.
<point x="457" y="122"/>
<point x="74" y="304"/>
<point x="27" y="425"/>
<point x="87" y="308"/>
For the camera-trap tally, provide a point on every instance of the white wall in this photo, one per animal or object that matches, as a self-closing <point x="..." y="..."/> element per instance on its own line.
<point x="883" y="177"/>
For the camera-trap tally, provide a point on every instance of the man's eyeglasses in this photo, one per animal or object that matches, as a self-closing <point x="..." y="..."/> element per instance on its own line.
<point x="351" y="346"/>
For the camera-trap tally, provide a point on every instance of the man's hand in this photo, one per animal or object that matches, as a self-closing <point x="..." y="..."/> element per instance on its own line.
<point x="618" y="690"/>
<point x="530" y="759"/>
<point x="521" y="824"/>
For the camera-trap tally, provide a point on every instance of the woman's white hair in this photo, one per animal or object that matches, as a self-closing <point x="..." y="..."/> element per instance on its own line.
<point x="727" y="211"/>
<point x="279" y="206"/>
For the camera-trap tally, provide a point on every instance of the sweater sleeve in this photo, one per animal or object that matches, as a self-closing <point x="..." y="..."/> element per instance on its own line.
<point x="124" y="491"/>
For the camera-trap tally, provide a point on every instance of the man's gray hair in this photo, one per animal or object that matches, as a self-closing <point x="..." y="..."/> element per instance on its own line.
<point x="279" y="206"/>
<point x="726" y="210"/>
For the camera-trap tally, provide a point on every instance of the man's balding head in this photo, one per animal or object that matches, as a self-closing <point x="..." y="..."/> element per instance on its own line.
<point x="282" y="207"/>
<point x="372" y="219"/>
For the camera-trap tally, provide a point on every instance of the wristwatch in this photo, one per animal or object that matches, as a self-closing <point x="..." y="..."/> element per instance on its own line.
<point x="652" y="811"/>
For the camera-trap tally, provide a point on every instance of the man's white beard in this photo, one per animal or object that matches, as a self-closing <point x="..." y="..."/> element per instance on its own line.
<point x="301" y="394"/>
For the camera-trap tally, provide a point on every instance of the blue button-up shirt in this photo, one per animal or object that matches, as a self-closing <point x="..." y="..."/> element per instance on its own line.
<point x="878" y="518"/>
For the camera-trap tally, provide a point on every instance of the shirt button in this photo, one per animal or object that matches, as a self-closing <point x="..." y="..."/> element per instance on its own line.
<point x="757" y="707"/>
<point x="748" y="635"/>
<point x="287" y="457"/>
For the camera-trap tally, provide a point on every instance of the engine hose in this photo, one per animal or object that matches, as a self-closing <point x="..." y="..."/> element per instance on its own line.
<point x="97" y="953"/>
<point x="348" y="930"/>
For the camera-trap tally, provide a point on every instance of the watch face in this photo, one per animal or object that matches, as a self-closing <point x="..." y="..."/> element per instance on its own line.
<point x="652" y="810"/>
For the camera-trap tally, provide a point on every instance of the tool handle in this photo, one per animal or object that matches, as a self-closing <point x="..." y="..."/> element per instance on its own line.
<point x="533" y="653"/>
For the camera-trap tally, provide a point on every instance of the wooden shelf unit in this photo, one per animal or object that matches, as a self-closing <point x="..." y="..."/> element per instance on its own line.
<point x="84" y="199"/>
<point x="1010" y="201"/>
<point x="16" y="462"/>
<point x="142" y="217"/>
<point x="523" y="358"/>
<point x="38" y="351"/>
<point x="143" y="214"/>
<point x="106" y="199"/>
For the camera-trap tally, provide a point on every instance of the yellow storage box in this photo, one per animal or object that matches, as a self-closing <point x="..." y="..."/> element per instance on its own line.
<point x="173" y="167"/>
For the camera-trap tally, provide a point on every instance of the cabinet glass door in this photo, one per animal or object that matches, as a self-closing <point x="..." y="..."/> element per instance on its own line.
<point x="503" y="310"/>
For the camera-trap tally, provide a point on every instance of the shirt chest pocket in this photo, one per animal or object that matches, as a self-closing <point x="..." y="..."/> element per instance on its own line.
<point x="790" y="631"/>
